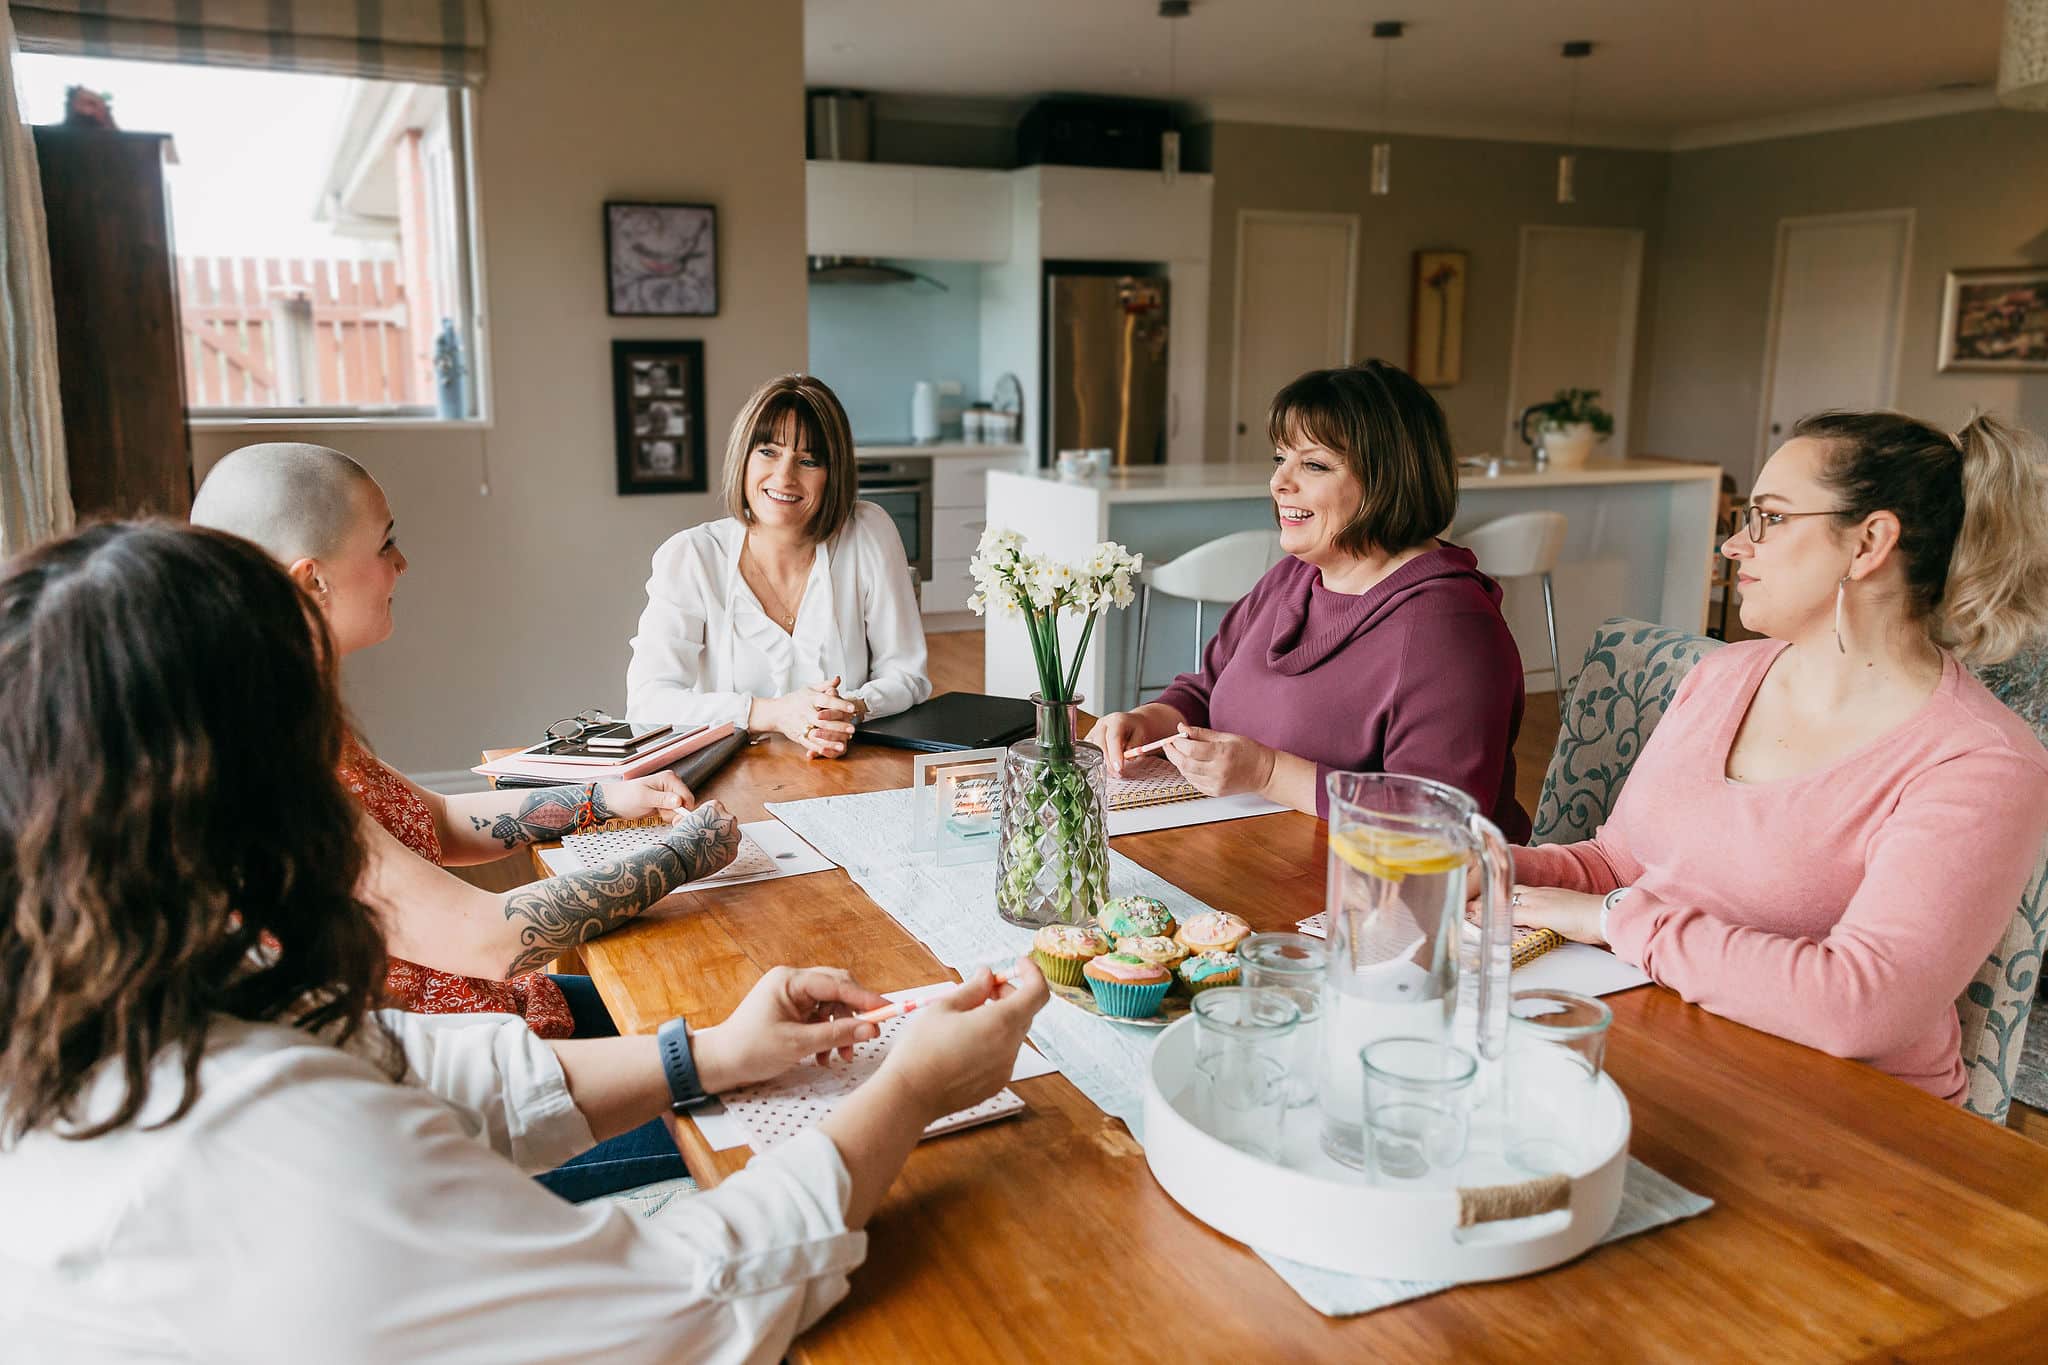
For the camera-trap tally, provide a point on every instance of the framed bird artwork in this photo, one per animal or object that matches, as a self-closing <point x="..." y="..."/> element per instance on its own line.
<point x="661" y="260"/>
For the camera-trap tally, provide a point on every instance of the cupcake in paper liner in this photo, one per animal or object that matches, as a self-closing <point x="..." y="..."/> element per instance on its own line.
<point x="1135" y="917"/>
<point x="1204" y="971"/>
<point x="1216" y="931"/>
<point x="1126" y="986"/>
<point x="1157" y="949"/>
<point x="1062" y="950"/>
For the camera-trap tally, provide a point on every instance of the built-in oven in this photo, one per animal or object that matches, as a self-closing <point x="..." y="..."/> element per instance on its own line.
<point x="902" y="487"/>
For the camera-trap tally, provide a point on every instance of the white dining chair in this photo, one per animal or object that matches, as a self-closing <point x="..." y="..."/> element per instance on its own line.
<point x="1525" y="545"/>
<point x="1220" y="570"/>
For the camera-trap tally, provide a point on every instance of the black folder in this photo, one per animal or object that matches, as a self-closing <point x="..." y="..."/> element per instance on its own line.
<point x="953" y="720"/>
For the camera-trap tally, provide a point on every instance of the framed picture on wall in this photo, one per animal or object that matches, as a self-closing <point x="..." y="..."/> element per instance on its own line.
<point x="1994" y="320"/>
<point x="658" y="412"/>
<point x="1436" y="327"/>
<point x="661" y="260"/>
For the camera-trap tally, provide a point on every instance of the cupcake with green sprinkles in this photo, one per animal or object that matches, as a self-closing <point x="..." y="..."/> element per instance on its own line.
<point x="1126" y="986"/>
<point x="1202" y="971"/>
<point x="1062" y="950"/>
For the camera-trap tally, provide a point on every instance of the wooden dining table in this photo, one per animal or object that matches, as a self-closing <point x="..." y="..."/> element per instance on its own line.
<point x="1854" y="1216"/>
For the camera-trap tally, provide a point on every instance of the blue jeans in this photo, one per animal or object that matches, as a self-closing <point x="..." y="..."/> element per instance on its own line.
<point x="641" y="1157"/>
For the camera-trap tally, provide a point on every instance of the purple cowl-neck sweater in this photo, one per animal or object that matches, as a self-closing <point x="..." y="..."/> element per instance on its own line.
<point x="1416" y="675"/>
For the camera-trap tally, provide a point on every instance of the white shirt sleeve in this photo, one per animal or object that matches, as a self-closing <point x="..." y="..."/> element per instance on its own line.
<point x="319" y="1212"/>
<point x="668" y="680"/>
<point x="897" y="678"/>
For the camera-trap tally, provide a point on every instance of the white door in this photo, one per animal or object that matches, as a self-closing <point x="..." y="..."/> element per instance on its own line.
<point x="1297" y="282"/>
<point x="1575" y="322"/>
<point x="1836" y="311"/>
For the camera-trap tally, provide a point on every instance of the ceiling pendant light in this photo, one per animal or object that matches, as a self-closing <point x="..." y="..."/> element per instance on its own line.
<point x="1169" y="141"/>
<point x="1568" y="161"/>
<point x="1382" y="181"/>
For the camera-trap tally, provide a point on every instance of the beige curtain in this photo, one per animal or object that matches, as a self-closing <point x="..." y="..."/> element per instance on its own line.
<point x="35" y="489"/>
<point x="436" y="41"/>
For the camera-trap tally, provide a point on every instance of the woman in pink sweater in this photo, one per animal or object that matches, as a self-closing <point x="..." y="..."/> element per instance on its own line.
<point x="1828" y="832"/>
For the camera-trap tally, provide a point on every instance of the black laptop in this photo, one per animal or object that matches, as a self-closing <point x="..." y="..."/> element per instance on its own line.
<point x="953" y="720"/>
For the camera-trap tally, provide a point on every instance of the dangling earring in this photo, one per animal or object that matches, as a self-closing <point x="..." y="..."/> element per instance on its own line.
<point x="1841" y="591"/>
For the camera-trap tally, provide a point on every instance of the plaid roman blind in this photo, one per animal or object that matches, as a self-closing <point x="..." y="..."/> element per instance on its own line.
<point x="438" y="41"/>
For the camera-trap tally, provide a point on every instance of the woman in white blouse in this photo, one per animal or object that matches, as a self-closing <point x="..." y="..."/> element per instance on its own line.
<point x="212" y="1148"/>
<point x="797" y="613"/>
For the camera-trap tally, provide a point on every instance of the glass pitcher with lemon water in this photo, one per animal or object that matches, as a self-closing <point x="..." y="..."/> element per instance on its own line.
<point x="1401" y="851"/>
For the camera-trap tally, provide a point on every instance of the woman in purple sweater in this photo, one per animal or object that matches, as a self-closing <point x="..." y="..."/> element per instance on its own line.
<point x="1374" y="646"/>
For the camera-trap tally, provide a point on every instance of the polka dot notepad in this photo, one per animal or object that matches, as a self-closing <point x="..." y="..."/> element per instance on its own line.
<point x="767" y="849"/>
<point x="776" y="1111"/>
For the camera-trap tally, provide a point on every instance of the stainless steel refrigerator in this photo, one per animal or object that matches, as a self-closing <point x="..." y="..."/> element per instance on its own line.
<point x="1105" y="365"/>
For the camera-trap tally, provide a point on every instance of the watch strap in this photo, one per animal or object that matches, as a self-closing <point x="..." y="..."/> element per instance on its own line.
<point x="685" y="1091"/>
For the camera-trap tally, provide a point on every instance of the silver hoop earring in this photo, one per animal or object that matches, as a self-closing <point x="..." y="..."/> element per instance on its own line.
<point x="1841" y="591"/>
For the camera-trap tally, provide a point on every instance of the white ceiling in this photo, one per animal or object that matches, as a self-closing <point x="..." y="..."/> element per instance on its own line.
<point x="1662" y="73"/>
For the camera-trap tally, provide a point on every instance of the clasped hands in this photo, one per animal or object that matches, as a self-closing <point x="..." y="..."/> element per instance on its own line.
<point x="816" y="717"/>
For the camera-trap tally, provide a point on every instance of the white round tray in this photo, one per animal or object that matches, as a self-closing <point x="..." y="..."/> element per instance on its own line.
<point x="1311" y="1209"/>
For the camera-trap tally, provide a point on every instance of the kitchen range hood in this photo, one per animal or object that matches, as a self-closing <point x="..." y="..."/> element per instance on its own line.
<point x="866" y="270"/>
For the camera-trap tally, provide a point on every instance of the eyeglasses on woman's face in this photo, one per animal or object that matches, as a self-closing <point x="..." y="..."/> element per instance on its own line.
<point x="1759" y="520"/>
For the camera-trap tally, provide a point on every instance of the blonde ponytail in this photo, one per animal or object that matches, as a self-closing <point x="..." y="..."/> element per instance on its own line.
<point x="1996" y="599"/>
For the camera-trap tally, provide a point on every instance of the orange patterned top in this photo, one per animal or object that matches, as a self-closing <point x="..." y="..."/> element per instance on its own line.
<point x="423" y="990"/>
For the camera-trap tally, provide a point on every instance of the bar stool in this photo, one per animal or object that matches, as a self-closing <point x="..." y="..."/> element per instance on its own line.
<point x="1220" y="570"/>
<point x="1525" y="545"/>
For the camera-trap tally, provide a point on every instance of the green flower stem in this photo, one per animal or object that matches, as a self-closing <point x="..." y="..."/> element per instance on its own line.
<point x="1074" y="674"/>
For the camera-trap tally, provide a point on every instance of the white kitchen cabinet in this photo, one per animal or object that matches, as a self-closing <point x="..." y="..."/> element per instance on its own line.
<point x="1086" y="213"/>
<point x="959" y="215"/>
<point x="961" y="481"/>
<point x="857" y="208"/>
<point x="949" y="588"/>
<point x="927" y="213"/>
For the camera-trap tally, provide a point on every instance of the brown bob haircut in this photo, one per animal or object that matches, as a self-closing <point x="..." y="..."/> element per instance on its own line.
<point x="1391" y="434"/>
<point x="800" y="411"/>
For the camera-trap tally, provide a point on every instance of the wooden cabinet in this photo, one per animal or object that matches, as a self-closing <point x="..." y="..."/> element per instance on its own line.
<point x="111" y="275"/>
<point x="926" y="213"/>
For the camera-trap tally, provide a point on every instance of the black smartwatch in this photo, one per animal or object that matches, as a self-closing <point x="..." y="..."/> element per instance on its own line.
<point x="685" y="1091"/>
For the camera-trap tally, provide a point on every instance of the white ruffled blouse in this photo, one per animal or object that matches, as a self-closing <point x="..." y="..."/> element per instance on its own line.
<point x="706" y="648"/>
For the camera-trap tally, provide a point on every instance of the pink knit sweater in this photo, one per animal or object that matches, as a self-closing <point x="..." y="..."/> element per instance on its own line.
<point x="1845" y="908"/>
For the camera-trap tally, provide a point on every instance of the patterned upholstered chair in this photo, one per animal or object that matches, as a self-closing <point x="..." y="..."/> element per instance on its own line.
<point x="1631" y="672"/>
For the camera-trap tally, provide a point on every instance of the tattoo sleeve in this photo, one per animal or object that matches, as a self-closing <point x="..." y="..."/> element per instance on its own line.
<point x="543" y="816"/>
<point x="563" y="912"/>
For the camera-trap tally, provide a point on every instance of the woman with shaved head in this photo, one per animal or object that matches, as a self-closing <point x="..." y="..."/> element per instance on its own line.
<point x="457" y="949"/>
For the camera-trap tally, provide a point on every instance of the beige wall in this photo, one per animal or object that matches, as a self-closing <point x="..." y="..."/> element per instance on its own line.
<point x="518" y="605"/>
<point x="1978" y="186"/>
<point x="1448" y="193"/>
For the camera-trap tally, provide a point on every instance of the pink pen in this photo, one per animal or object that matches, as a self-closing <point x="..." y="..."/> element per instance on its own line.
<point x="1154" y="746"/>
<point x="897" y="1009"/>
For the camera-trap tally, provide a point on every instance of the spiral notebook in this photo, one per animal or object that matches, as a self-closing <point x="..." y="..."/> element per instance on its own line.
<point x="1149" y="781"/>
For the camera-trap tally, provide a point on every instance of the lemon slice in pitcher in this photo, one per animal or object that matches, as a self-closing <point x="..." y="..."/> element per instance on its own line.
<point x="1392" y="856"/>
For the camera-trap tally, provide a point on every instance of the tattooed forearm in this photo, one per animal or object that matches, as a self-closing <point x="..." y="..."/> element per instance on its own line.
<point x="563" y="912"/>
<point x="543" y="816"/>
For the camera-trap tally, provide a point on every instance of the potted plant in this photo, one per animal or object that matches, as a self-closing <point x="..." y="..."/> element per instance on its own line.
<point x="1570" y="425"/>
<point x="1052" y="851"/>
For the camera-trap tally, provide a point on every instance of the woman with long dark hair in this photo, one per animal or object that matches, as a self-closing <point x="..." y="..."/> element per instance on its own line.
<point x="212" y="1148"/>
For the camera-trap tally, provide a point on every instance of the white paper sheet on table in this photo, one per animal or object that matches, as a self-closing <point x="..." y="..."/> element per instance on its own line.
<point x="780" y="845"/>
<point x="724" y="1132"/>
<point x="1206" y="810"/>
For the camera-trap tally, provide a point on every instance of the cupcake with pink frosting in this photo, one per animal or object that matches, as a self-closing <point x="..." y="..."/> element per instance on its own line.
<point x="1126" y="986"/>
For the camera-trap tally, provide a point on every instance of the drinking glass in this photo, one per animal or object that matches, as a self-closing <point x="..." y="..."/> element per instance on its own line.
<point x="1240" y="1053"/>
<point x="1292" y="964"/>
<point x="1557" y="1045"/>
<point x="1418" y="1106"/>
